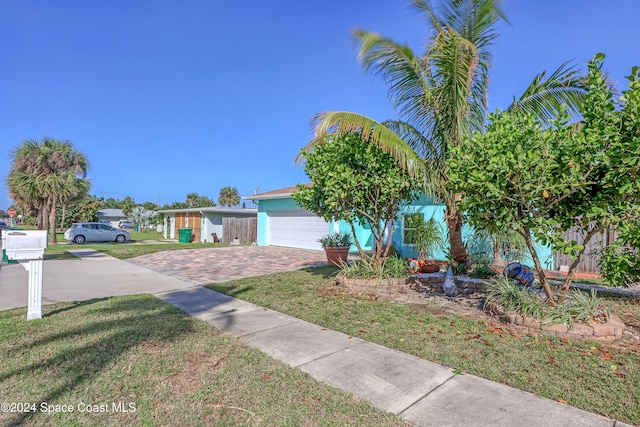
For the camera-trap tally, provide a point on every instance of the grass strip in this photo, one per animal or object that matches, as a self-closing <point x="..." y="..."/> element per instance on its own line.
<point x="136" y="360"/>
<point x="599" y="378"/>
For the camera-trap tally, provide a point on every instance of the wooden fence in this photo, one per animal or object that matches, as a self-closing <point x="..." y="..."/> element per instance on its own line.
<point x="244" y="229"/>
<point x="589" y="261"/>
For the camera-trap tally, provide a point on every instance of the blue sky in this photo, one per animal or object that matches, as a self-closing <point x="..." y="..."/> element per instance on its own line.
<point x="167" y="98"/>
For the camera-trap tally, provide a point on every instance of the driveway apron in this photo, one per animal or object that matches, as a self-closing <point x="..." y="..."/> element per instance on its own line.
<point x="209" y="265"/>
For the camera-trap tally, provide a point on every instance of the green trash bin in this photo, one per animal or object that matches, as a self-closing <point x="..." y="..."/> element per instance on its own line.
<point x="5" y="258"/>
<point x="184" y="235"/>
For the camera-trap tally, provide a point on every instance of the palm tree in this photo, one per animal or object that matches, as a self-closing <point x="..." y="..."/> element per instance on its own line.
<point x="46" y="173"/>
<point x="442" y="96"/>
<point x="229" y="196"/>
<point x="21" y="180"/>
<point x="138" y="216"/>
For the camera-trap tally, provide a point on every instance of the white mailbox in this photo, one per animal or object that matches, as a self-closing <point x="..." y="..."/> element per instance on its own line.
<point x="27" y="247"/>
<point x="24" y="245"/>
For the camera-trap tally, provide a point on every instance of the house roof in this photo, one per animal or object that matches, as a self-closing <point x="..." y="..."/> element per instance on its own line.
<point x="280" y="193"/>
<point x="117" y="213"/>
<point x="111" y="212"/>
<point x="213" y="209"/>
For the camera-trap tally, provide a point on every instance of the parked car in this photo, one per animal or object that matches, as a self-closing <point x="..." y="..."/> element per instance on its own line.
<point x="95" y="232"/>
<point x="125" y="224"/>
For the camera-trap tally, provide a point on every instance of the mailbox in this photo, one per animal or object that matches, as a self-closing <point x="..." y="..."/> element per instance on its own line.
<point x="27" y="247"/>
<point x="24" y="245"/>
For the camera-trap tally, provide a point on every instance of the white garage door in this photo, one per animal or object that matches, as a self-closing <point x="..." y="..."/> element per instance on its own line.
<point x="296" y="229"/>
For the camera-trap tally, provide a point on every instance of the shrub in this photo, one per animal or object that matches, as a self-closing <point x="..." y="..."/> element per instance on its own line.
<point x="483" y="271"/>
<point x="578" y="307"/>
<point x="336" y="240"/>
<point x="389" y="268"/>
<point x="619" y="262"/>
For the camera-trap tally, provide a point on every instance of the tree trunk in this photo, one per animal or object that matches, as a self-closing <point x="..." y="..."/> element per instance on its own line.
<point x="567" y="283"/>
<point x="454" y="226"/>
<point x="64" y="215"/>
<point x="42" y="217"/>
<point x="52" y="223"/>
<point x="363" y="255"/>
<point x="538" y="266"/>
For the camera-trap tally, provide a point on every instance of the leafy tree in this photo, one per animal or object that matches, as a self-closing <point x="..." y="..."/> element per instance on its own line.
<point x="82" y="210"/>
<point x="441" y="96"/>
<point x="229" y="196"/>
<point x="619" y="262"/>
<point x="194" y="200"/>
<point x="112" y="203"/>
<point x="542" y="179"/>
<point x="127" y="205"/>
<point x="175" y="205"/>
<point x="356" y="182"/>
<point x="150" y="206"/>
<point x="46" y="174"/>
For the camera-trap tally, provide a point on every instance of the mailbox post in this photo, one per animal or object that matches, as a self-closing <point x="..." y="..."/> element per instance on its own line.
<point x="27" y="247"/>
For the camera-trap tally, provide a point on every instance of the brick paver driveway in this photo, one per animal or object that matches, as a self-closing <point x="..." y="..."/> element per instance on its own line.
<point x="202" y="266"/>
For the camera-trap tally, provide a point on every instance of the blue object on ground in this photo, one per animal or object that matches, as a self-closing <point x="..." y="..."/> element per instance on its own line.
<point x="519" y="272"/>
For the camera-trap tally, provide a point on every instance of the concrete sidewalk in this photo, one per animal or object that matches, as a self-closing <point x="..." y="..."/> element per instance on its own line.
<point x="93" y="275"/>
<point x="419" y="391"/>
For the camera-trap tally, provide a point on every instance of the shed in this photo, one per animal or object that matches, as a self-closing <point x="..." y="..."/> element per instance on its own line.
<point x="204" y="222"/>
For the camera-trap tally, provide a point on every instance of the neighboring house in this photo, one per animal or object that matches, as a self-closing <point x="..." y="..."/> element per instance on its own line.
<point x="281" y="222"/>
<point x="114" y="216"/>
<point x="202" y="221"/>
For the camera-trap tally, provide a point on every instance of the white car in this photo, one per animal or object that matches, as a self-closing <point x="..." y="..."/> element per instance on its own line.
<point x="95" y="232"/>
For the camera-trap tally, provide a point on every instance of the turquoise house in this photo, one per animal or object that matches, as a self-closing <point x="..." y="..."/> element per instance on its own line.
<point x="281" y="222"/>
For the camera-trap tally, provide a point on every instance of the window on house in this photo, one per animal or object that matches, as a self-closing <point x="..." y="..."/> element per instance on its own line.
<point x="409" y="228"/>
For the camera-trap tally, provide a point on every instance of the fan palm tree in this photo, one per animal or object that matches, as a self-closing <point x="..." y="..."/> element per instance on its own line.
<point x="442" y="96"/>
<point x="46" y="173"/>
<point x="229" y="196"/>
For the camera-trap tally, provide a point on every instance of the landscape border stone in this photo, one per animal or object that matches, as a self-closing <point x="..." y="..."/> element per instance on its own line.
<point x="609" y="331"/>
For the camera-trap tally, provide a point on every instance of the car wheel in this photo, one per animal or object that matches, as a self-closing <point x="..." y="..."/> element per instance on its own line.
<point x="79" y="239"/>
<point x="120" y="238"/>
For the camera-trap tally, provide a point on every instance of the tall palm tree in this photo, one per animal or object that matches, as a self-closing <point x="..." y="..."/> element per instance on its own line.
<point x="229" y="196"/>
<point x="21" y="182"/>
<point x="442" y="96"/>
<point x="46" y="173"/>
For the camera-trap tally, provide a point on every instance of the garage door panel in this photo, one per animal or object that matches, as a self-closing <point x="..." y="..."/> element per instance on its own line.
<point x="297" y="229"/>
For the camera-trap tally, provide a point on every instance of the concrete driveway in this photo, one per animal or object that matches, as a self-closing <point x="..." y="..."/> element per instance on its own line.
<point x="96" y="275"/>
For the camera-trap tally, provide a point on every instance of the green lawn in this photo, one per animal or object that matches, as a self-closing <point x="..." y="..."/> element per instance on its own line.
<point x="123" y="251"/>
<point x="599" y="378"/>
<point x="142" y="355"/>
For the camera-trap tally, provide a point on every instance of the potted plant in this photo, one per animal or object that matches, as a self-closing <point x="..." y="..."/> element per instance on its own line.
<point x="336" y="247"/>
<point x="427" y="236"/>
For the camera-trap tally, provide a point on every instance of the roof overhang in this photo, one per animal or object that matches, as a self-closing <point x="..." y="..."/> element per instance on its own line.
<point x="212" y="210"/>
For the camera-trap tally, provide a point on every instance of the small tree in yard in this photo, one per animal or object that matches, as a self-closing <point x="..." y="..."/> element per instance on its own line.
<point x="355" y="181"/>
<point x="543" y="180"/>
<point x="138" y="217"/>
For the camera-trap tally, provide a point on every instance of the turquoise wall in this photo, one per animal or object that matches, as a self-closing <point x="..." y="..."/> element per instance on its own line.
<point x="428" y="208"/>
<point x="363" y="233"/>
<point x="423" y="205"/>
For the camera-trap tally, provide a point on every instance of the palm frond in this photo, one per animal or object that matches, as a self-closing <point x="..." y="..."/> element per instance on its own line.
<point x="473" y="20"/>
<point x="401" y="69"/>
<point x="545" y="95"/>
<point x="342" y="123"/>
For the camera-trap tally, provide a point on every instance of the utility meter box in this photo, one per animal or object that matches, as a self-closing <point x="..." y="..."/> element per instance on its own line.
<point x="24" y="245"/>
